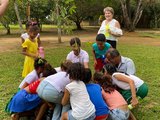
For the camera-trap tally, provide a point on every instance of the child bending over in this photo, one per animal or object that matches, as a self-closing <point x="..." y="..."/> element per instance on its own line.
<point x="117" y="104"/>
<point x="76" y="93"/>
<point x="95" y="94"/>
<point x="27" y="99"/>
<point x="99" y="51"/>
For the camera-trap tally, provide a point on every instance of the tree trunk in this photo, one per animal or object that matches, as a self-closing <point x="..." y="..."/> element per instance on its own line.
<point x="130" y="23"/>
<point x="7" y="27"/>
<point x="18" y="17"/>
<point x="78" y="24"/>
<point x="58" y="22"/>
<point x="8" y="30"/>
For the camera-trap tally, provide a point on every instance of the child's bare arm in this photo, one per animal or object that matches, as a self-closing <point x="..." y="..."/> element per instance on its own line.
<point x="94" y="57"/>
<point x="39" y="41"/>
<point x="123" y="78"/>
<point x="24" y="85"/>
<point x="66" y="97"/>
<point x="24" y="52"/>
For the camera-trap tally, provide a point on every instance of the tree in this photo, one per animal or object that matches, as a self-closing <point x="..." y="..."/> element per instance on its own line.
<point x="9" y="17"/>
<point x="18" y="16"/>
<point x="64" y="8"/>
<point x="131" y="19"/>
<point x="86" y="9"/>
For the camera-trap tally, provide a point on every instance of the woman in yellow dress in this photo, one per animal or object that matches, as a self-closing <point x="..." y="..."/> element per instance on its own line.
<point x="30" y="50"/>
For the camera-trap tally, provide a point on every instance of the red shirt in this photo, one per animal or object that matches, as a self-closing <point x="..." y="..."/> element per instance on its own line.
<point x="33" y="87"/>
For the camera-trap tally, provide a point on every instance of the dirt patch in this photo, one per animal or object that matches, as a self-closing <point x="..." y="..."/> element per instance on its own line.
<point x="49" y="40"/>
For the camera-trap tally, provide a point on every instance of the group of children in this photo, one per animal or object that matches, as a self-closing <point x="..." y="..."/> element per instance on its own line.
<point x="70" y="91"/>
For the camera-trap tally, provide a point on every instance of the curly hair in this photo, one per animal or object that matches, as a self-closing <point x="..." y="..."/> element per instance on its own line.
<point x="106" y="84"/>
<point x="76" y="71"/>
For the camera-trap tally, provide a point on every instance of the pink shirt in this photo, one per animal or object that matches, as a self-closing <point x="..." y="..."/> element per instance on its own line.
<point x="114" y="99"/>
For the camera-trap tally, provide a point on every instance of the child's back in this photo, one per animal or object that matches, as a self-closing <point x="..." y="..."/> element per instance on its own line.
<point x="94" y="91"/>
<point x="95" y="94"/>
<point x="114" y="99"/>
<point x="79" y="99"/>
<point x="76" y="93"/>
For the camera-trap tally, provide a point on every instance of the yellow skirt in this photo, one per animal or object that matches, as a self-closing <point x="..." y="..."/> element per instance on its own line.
<point x="28" y="66"/>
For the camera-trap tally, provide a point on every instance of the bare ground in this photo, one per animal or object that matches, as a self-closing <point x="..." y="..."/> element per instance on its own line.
<point x="12" y="42"/>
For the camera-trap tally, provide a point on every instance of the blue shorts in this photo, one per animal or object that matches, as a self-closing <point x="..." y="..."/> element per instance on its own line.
<point x="70" y="117"/>
<point x="117" y="114"/>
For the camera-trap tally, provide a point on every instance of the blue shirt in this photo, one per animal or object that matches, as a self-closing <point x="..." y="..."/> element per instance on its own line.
<point x="94" y="91"/>
<point x="99" y="53"/>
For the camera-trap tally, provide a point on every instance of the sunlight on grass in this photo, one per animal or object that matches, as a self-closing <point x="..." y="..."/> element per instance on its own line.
<point x="149" y="34"/>
<point x="146" y="58"/>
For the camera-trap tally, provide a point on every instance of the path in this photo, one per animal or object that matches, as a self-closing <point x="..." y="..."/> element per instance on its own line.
<point x="8" y="43"/>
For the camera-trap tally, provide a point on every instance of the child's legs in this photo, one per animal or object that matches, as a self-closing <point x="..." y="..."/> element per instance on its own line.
<point x="91" y="117"/>
<point x="41" y="111"/>
<point x="142" y="91"/>
<point x="98" y="67"/>
<point x="118" y="114"/>
<point x="69" y="115"/>
<point x="127" y="95"/>
<point x="66" y="108"/>
<point x="57" y="112"/>
<point x="64" y="116"/>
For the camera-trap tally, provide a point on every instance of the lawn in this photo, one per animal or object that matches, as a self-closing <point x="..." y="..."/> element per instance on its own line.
<point x="146" y="58"/>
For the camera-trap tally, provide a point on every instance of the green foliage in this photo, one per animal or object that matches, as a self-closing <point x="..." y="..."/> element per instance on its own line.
<point x="65" y="9"/>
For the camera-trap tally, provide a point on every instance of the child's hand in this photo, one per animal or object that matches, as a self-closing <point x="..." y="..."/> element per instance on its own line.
<point x="35" y="56"/>
<point x="134" y="101"/>
<point x="107" y="61"/>
<point x="95" y="62"/>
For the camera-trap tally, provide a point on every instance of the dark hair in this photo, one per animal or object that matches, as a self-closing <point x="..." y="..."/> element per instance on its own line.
<point x="113" y="52"/>
<point x="39" y="62"/>
<point x="104" y="81"/>
<point x="48" y="70"/>
<point x="76" y="71"/>
<point x="34" y="28"/>
<point x="109" y="68"/>
<point x="65" y="64"/>
<point x="87" y="75"/>
<point x="101" y="38"/>
<point x="30" y="23"/>
<point x="97" y="76"/>
<point x="106" y="84"/>
<point x="76" y="41"/>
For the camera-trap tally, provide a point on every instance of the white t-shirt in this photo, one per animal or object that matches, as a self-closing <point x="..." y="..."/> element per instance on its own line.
<point x="82" y="57"/>
<point x="25" y="36"/>
<point x="31" y="77"/>
<point x="82" y="107"/>
<point x="58" y="69"/>
<point x="125" y="86"/>
<point x="58" y="80"/>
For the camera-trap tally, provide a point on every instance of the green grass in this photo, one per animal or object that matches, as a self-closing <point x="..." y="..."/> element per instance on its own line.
<point x="150" y="34"/>
<point x="146" y="58"/>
